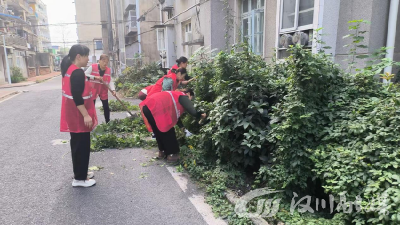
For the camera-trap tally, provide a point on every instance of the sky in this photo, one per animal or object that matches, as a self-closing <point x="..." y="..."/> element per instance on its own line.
<point x="61" y="11"/>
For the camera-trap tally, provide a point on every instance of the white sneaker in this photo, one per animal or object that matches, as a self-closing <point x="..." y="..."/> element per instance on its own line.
<point x="83" y="183"/>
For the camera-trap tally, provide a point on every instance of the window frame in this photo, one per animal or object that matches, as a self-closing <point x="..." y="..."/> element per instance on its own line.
<point x="96" y="46"/>
<point x="296" y="26"/>
<point x="250" y="15"/>
<point x="159" y="39"/>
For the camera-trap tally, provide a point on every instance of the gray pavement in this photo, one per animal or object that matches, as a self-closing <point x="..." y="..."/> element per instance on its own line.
<point x="35" y="178"/>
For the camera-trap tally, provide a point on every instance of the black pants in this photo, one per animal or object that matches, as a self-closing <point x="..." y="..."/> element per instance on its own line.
<point x="80" y="151"/>
<point x="106" y="109"/>
<point x="166" y="141"/>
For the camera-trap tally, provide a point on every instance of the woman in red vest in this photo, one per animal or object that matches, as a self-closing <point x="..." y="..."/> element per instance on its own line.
<point x="78" y="114"/>
<point x="182" y="62"/>
<point x="168" y="82"/>
<point x="103" y="74"/>
<point x="161" y="112"/>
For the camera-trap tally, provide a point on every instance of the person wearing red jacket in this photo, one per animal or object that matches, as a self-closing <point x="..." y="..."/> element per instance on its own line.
<point x="161" y="112"/>
<point x="168" y="82"/>
<point x="99" y="75"/>
<point x="182" y="62"/>
<point x="78" y="113"/>
<point x="143" y="93"/>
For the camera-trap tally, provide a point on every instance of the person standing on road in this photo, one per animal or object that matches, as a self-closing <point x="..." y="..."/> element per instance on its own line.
<point x="100" y="75"/>
<point x="161" y="112"/>
<point x="78" y="113"/>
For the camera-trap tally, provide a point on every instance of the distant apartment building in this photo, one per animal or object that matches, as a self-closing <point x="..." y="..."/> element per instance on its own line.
<point x="88" y="12"/>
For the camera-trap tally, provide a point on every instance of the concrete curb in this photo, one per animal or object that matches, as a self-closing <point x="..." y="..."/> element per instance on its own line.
<point x="29" y="83"/>
<point x="2" y="97"/>
<point x="24" y="84"/>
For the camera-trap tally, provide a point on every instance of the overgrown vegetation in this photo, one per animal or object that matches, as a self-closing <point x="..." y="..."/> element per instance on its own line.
<point x="126" y="133"/>
<point x="16" y="75"/>
<point x="136" y="78"/>
<point x="116" y="106"/>
<point x="303" y="126"/>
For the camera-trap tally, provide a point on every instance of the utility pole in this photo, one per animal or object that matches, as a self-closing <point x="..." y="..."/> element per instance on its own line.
<point x="5" y="54"/>
<point x="104" y="18"/>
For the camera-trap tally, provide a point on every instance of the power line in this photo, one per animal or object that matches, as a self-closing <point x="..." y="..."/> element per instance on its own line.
<point x="78" y="23"/>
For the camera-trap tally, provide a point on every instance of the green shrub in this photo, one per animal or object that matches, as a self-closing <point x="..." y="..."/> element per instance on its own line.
<point x="116" y="106"/>
<point x="135" y="78"/>
<point x="16" y="75"/>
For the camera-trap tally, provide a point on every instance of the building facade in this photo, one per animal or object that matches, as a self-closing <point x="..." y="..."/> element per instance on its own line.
<point x="270" y="26"/>
<point x="89" y="27"/>
<point x="40" y="20"/>
<point x="19" y="37"/>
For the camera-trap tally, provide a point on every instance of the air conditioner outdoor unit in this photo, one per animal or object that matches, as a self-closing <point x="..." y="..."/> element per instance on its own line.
<point x="301" y="38"/>
<point x="285" y="40"/>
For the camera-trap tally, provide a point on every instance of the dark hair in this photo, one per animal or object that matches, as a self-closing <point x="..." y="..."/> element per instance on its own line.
<point x="182" y="59"/>
<point x="190" y="91"/>
<point x="181" y="70"/>
<point x="104" y="56"/>
<point x="73" y="52"/>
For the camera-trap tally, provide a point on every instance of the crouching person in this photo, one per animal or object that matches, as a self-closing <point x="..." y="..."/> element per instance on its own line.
<point x="161" y="113"/>
<point x="143" y="93"/>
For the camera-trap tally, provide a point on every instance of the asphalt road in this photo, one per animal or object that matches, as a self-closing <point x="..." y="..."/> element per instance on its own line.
<point x="36" y="171"/>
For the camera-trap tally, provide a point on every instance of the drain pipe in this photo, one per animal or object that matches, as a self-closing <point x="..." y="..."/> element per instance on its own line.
<point x="391" y="35"/>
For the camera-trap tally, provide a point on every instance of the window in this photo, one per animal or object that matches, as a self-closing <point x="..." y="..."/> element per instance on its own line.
<point x="296" y="25"/>
<point x="297" y="15"/>
<point x="98" y="45"/>
<point x="160" y="39"/>
<point x="187" y="32"/>
<point x="253" y="24"/>
<point x="170" y="14"/>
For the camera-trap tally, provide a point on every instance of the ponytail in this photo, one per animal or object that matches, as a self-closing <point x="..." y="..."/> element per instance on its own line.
<point x="73" y="52"/>
<point x="182" y="59"/>
<point x="65" y="64"/>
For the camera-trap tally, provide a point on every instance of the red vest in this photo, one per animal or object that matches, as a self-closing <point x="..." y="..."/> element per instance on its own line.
<point x="174" y="67"/>
<point x="99" y="88"/>
<point x="158" y="86"/>
<point x="165" y="108"/>
<point x="71" y="117"/>
<point x="147" y="89"/>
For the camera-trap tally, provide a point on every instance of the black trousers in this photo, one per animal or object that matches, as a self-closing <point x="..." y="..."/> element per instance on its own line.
<point x="106" y="109"/>
<point x="80" y="151"/>
<point x="166" y="141"/>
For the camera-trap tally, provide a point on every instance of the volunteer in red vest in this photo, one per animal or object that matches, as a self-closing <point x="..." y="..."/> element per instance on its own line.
<point x="102" y="71"/>
<point x="143" y="93"/>
<point x="161" y="112"/>
<point x="168" y="82"/>
<point x="78" y="114"/>
<point x="182" y="62"/>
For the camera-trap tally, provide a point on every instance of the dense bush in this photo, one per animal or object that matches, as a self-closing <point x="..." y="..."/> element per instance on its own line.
<point x="16" y="75"/>
<point x="134" y="79"/>
<point x="312" y="128"/>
